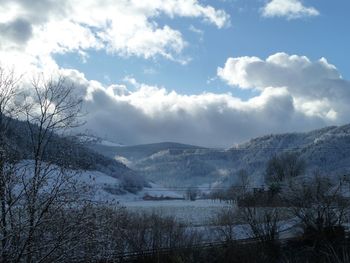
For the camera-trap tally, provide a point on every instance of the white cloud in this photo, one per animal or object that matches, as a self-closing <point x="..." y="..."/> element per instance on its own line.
<point x="238" y="67"/>
<point x="37" y="29"/>
<point x="317" y="87"/>
<point x="291" y="9"/>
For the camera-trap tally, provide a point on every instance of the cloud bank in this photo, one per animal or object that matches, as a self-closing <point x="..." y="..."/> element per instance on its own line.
<point x="294" y="94"/>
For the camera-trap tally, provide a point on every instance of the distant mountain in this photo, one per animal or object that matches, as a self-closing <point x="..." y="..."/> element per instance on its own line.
<point x="136" y="153"/>
<point x="92" y="139"/>
<point x="173" y="164"/>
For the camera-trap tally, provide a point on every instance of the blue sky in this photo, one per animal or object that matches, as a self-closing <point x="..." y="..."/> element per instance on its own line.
<point x="212" y="73"/>
<point x="248" y="35"/>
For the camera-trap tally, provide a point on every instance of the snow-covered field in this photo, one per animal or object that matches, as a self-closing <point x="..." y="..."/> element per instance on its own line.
<point x="195" y="213"/>
<point x="102" y="189"/>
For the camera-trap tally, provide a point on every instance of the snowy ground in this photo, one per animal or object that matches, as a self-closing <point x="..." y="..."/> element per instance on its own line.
<point x="102" y="189"/>
<point x="195" y="213"/>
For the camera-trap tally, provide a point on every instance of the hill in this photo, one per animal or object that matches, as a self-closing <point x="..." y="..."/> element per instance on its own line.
<point x="70" y="153"/>
<point x="136" y="153"/>
<point x="173" y="164"/>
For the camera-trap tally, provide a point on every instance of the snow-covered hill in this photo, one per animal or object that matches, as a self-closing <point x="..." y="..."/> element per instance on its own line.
<point x="92" y="139"/>
<point x="105" y="189"/>
<point x="135" y="153"/>
<point x="92" y="185"/>
<point x="71" y="153"/>
<point x="326" y="149"/>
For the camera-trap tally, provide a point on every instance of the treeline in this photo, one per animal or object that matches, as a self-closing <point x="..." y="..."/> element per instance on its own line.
<point x="295" y="217"/>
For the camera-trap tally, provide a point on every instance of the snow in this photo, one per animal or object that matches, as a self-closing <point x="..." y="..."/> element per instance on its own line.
<point x="110" y="144"/>
<point x="194" y="213"/>
<point x="98" y="182"/>
<point x="123" y="160"/>
<point x="198" y="215"/>
<point x="97" y="140"/>
<point x="199" y="212"/>
<point x="326" y="148"/>
<point x="158" y="191"/>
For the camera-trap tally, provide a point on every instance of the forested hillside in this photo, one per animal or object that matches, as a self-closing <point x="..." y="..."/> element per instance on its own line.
<point x="327" y="149"/>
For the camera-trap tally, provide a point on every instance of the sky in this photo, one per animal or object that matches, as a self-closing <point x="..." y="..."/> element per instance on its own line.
<point x="210" y="73"/>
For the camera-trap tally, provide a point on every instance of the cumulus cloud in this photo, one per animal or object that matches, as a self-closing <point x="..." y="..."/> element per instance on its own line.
<point x="38" y="29"/>
<point x="317" y="87"/>
<point x="291" y="9"/>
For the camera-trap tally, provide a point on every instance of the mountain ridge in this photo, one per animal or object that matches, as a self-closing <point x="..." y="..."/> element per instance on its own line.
<point x="326" y="149"/>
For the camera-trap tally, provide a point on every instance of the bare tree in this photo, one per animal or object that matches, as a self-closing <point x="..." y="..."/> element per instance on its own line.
<point x="8" y="92"/>
<point x="284" y="166"/>
<point x="52" y="109"/>
<point x="225" y="222"/>
<point x="243" y="178"/>
<point x="242" y="183"/>
<point x="263" y="225"/>
<point x="263" y="222"/>
<point x="192" y="193"/>
<point x="319" y="205"/>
